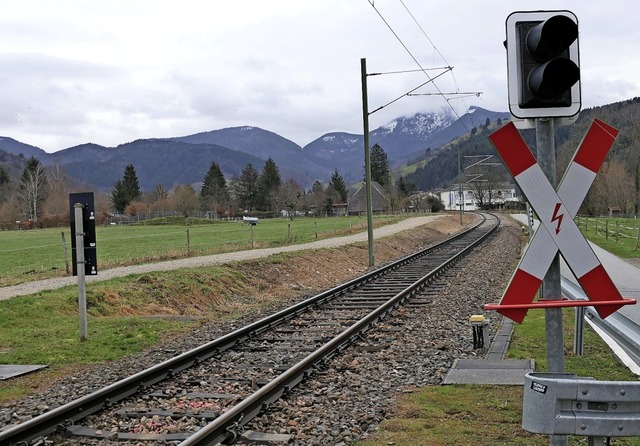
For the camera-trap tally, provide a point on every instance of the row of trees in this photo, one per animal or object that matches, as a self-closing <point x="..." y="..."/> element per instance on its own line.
<point x="251" y="191"/>
<point x="40" y="198"/>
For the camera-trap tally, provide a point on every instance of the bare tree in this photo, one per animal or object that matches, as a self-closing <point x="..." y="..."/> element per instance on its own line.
<point x="619" y="186"/>
<point x="57" y="202"/>
<point x="485" y="186"/>
<point x="290" y="196"/>
<point x="185" y="199"/>
<point x="33" y="188"/>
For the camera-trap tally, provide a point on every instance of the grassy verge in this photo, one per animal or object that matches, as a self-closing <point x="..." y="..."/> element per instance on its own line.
<point x="474" y="414"/>
<point x="44" y="328"/>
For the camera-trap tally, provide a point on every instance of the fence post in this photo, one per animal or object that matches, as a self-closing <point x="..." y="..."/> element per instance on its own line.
<point x="289" y="233"/>
<point x="66" y="253"/>
<point x="315" y="227"/>
<point x="188" y="242"/>
<point x="606" y="230"/>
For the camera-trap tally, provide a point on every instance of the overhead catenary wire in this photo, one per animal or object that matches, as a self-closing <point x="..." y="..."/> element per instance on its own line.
<point x="408" y="93"/>
<point x="459" y="95"/>
<point x="421" y="68"/>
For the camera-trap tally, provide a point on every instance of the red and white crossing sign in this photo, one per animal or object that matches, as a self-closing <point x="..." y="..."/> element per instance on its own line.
<point x="558" y="231"/>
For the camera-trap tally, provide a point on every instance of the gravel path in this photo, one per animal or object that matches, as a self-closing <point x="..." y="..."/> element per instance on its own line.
<point x="27" y="288"/>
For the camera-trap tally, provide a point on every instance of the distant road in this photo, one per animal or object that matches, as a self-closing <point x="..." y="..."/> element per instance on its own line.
<point x="27" y="288"/>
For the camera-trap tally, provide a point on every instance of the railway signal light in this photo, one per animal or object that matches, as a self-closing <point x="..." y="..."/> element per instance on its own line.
<point x="89" y="229"/>
<point x="543" y="64"/>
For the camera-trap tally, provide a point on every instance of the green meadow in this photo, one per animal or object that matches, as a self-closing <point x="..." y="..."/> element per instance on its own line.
<point x="41" y="253"/>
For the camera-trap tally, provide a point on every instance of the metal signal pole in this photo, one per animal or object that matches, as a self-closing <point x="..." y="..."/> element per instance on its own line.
<point x="367" y="158"/>
<point x="551" y="286"/>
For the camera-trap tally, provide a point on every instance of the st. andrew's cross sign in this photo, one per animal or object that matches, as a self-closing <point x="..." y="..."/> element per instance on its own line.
<point x="558" y="231"/>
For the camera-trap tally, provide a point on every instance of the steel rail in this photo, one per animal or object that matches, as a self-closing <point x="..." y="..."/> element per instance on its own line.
<point x="224" y="427"/>
<point x="75" y="410"/>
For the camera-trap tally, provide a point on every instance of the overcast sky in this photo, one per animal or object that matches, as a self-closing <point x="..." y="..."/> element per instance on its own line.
<point x="110" y="72"/>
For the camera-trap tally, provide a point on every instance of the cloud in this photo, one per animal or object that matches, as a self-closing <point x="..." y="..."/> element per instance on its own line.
<point x="76" y="71"/>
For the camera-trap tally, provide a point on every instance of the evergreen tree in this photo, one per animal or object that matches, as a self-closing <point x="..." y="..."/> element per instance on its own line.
<point x="159" y="193"/>
<point x="131" y="184"/>
<point x="33" y="188"/>
<point x="338" y="185"/>
<point x="214" y="192"/>
<point x="317" y="187"/>
<point x="402" y="187"/>
<point x="5" y="182"/>
<point x="380" y="171"/>
<point x="119" y="199"/>
<point x="246" y="187"/>
<point x="268" y="185"/>
<point x="126" y="190"/>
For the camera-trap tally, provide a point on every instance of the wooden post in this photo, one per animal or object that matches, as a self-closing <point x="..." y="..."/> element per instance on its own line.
<point x="66" y="253"/>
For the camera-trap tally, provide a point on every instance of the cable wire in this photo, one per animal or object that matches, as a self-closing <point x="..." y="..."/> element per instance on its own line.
<point x="430" y="79"/>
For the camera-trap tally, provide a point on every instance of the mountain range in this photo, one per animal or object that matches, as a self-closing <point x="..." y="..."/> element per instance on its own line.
<point x="185" y="159"/>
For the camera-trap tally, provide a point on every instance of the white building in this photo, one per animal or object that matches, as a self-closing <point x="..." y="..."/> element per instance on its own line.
<point x="504" y="196"/>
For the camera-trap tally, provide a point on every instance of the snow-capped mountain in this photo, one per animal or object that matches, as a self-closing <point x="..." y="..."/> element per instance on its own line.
<point x="402" y="139"/>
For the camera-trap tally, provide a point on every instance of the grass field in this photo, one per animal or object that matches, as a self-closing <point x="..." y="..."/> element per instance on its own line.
<point x="620" y="236"/>
<point x="40" y="253"/>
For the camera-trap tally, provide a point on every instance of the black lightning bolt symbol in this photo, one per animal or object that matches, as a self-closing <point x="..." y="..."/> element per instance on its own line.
<point x="557" y="217"/>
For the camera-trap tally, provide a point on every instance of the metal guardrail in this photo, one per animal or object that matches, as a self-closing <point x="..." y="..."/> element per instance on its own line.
<point x="623" y="330"/>
<point x="567" y="404"/>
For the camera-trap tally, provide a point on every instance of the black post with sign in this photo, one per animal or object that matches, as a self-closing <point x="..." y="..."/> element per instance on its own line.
<point x="89" y="227"/>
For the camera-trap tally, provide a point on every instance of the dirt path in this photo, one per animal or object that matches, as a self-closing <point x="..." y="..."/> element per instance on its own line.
<point x="193" y="262"/>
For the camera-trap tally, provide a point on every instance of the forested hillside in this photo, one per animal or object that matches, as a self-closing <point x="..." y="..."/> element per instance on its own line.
<point x="616" y="186"/>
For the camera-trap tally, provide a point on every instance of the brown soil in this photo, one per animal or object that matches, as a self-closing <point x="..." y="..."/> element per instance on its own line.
<point x="312" y="271"/>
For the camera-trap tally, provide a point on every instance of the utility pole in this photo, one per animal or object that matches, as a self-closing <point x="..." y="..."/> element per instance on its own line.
<point x="367" y="158"/>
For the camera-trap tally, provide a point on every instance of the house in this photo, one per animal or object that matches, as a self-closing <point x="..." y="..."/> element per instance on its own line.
<point x="503" y="196"/>
<point x="357" y="201"/>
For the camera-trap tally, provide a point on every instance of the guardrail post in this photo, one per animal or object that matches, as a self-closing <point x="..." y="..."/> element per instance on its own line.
<point x="578" y="336"/>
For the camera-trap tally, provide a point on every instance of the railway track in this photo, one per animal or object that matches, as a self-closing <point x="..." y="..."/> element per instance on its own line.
<point x="223" y="384"/>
